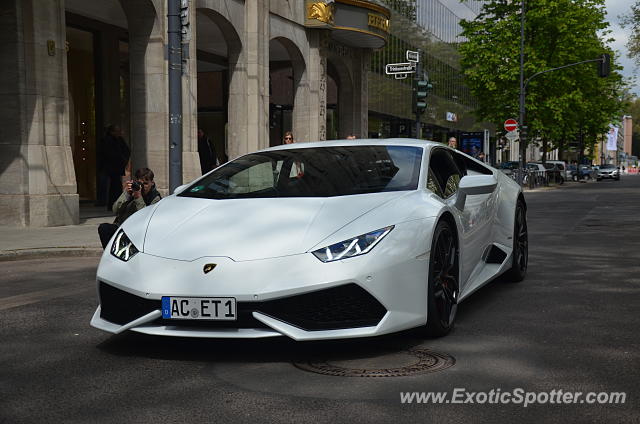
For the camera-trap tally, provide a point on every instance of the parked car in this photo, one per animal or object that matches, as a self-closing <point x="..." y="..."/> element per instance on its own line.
<point x="586" y="172"/>
<point x="608" y="171"/>
<point x="508" y="167"/>
<point x="538" y="172"/>
<point x="561" y="166"/>
<point x="316" y="241"/>
<point x="553" y="171"/>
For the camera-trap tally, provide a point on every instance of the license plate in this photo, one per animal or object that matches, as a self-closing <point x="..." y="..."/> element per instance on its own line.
<point x="203" y="308"/>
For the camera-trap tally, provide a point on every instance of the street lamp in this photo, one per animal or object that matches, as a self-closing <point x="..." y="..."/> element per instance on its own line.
<point x="523" y="133"/>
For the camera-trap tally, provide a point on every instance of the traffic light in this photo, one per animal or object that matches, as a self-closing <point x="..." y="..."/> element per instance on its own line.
<point x="604" y="66"/>
<point x="420" y="91"/>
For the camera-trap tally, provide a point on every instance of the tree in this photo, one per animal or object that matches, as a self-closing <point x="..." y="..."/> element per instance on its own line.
<point x="570" y="101"/>
<point x="632" y="21"/>
<point x="633" y="109"/>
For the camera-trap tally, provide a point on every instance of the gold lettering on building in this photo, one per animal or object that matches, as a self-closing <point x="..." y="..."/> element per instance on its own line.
<point x="379" y="21"/>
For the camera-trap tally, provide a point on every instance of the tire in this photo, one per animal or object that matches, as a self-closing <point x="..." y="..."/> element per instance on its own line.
<point x="443" y="281"/>
<point x="520" y="255"/>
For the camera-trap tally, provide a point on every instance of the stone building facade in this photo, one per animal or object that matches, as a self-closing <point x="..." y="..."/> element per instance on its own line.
<point x="251" y="70"/>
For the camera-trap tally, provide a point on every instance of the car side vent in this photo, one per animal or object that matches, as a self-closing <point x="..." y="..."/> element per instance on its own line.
<point x="496" y="255"/>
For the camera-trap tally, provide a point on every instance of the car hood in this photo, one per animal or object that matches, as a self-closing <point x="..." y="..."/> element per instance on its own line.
<point x="187" y="228"/>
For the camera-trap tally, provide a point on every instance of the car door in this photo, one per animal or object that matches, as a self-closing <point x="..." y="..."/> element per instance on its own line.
<point x="474" y="221"/>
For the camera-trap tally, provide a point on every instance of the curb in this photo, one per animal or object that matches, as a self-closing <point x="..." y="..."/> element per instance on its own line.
<point x="543" y="188"/>
<point x="49" y="252"/>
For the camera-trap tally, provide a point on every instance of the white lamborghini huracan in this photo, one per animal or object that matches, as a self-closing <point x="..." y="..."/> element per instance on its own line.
<point x="314" y="241"/>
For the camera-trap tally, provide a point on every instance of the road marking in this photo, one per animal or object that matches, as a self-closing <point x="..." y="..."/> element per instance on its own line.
<point x="40" y="296"/>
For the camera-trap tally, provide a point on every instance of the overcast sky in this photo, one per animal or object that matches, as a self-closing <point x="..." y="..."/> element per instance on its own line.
<point x="616" y="8"/>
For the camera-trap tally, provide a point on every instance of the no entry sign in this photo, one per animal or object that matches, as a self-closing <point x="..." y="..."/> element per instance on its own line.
<point x="510" y="125"/>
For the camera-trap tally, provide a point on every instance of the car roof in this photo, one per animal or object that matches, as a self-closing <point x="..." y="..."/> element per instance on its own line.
<point x="359" y="142"/>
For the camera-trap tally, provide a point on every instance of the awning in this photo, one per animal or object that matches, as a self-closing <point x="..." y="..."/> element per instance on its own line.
<point x="355" y="23"/>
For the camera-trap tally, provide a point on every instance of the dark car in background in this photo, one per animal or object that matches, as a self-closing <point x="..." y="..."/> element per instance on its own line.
<point x="586" y="172"/>
<point x="508" y="166"/>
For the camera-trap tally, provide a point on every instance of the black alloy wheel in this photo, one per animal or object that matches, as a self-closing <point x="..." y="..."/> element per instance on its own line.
<point x="520" y="254"/>
<point x="443" y="282"/>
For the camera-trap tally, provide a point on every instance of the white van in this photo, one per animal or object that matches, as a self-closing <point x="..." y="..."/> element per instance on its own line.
<point x="562" y="167"/>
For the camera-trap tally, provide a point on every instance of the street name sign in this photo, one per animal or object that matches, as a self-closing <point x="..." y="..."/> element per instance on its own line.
<point x="510" y="125"/>
<point x="400" y="68"/>
<point x="413" y="56"/>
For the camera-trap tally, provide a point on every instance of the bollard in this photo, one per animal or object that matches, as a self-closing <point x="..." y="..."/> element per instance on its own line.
<point x="531" y="182"/>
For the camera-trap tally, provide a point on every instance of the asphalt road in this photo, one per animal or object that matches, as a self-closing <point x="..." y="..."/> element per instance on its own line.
<point x="572" y="325"/>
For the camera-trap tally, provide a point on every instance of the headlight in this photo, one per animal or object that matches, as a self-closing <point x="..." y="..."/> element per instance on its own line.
<point x="352" y="247"/>
<point x="122" y="248"/>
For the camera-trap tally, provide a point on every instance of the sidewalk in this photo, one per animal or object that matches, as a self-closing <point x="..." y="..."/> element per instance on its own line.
<point x="75" y="240"/>
<point x="69" y="240"/>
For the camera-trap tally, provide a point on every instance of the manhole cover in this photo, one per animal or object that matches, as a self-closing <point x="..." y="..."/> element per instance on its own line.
<point x="400" y="364"/>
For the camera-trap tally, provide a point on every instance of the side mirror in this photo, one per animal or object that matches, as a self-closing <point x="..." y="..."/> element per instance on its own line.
<point x="474" y="184"/>
<point x="181" y="188"/>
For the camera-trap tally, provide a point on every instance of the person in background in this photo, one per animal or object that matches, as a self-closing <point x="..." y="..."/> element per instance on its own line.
<point x="113" y="164"/>
<point x="453" y="143"/>
<point x="351" y="137"/>
<point x="207" y="152"/>
<point x="288" y="138"/>
<point x="137" y="194"/>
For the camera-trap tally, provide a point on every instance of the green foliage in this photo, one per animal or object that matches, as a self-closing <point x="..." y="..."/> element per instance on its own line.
<point x="633" y="109"/>
<point x="632" y="21"/>
<point x="561" y="103"/>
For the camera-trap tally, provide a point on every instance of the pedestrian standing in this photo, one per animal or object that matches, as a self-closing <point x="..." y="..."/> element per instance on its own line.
<point x="113" y="163"/>
<point x="206" y="151"/>
<point x="137" y="194"/>
<point x="288" y="138"/>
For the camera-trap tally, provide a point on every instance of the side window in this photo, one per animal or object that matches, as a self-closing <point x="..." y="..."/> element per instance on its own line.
<point x="471" y="167"/>
<point x="444" y="175"/>
<point x="453" y="182"/>
<point x="433" y="185"/>
<point x="256" y="178"/>
<point x="297" y="170"/>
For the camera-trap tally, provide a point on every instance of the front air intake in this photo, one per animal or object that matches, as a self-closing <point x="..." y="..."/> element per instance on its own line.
<point x="120" y="307"/>
<point x="348" y="306"/>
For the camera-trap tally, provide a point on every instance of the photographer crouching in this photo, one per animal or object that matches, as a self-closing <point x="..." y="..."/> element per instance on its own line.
<point x="137" y="194"/>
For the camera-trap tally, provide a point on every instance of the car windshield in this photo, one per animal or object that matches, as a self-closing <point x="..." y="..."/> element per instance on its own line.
<point x="313" y="172"/>
<point x="607" y="166"/>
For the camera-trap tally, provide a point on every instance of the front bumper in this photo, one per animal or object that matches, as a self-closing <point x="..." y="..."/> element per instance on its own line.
<point x="609" y="175"/>
<point x="296" y="296"/>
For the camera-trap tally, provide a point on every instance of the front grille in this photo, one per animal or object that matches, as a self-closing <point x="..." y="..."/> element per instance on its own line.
<point x="119" y="307"/>
<point x="347" y="306"/>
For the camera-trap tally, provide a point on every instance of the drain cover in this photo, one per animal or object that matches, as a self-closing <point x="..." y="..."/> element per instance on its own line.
<point x="399" y="364"/>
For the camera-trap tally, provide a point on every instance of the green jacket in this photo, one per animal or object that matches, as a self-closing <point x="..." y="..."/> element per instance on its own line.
<point x="127" y="205"/>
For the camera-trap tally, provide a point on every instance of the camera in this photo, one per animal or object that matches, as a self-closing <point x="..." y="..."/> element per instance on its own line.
<point x="136" y="186"/>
